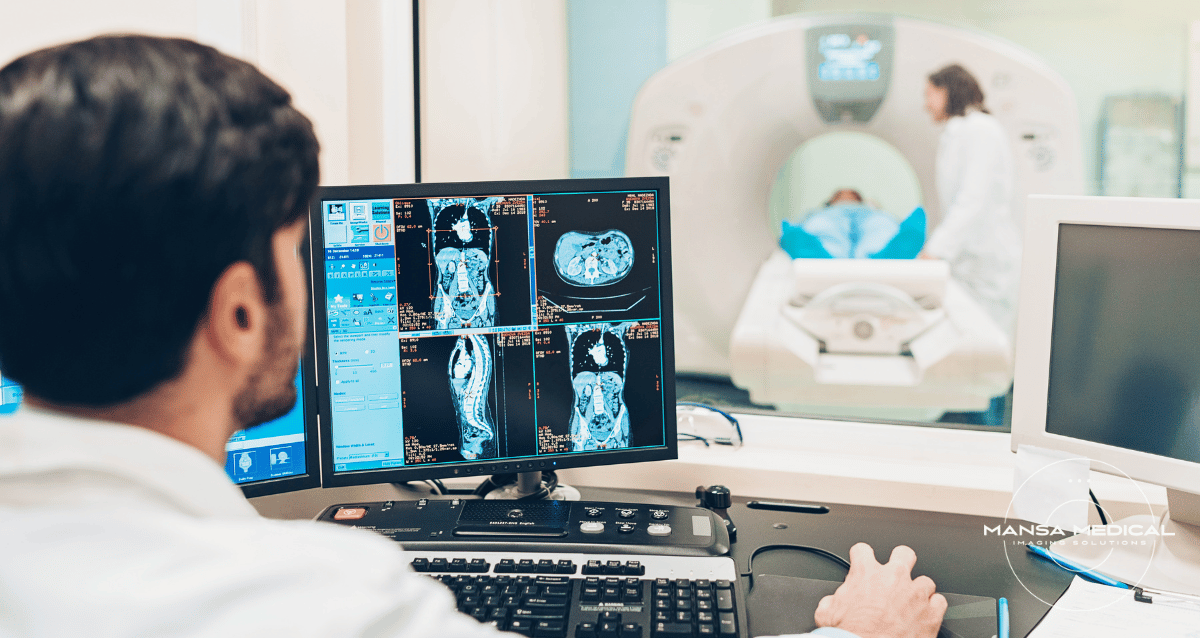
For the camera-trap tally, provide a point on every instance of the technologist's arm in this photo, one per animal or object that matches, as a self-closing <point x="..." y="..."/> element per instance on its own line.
<point x="883" y="601"/>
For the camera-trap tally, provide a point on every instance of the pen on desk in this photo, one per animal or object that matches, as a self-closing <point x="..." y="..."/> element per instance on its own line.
<point x="1071" y="566"/>
<point x="802" y="508"/>
<point x="1002" y="618"/>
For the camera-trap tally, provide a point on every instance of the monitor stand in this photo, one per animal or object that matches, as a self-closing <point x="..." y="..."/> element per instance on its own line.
<point x="529" y="483"/>
<point x="1167" y="559"/>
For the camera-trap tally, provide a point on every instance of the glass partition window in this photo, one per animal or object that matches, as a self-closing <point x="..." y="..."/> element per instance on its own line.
<point x="835" y="175"/>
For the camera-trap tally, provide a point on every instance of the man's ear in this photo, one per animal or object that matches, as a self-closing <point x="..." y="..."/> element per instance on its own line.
<point x="236" y="324"/>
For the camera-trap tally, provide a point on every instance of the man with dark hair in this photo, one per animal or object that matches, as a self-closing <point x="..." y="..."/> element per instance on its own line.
<point x="153" y="299"/>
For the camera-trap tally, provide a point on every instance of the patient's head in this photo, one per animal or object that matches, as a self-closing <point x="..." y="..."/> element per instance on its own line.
<point x="845" y="196"/>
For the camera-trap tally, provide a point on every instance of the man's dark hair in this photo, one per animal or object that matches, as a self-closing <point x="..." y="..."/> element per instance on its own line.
<point x="962" y="89"/>
<point x="134" y="171"/>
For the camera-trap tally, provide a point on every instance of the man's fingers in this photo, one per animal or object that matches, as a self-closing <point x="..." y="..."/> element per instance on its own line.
<point x="862" y="557"/>
<point x="822" y="615"/>
<point x="903" y="557"/>
<point x="925" y="586"/>
<point x="939" y="605"/>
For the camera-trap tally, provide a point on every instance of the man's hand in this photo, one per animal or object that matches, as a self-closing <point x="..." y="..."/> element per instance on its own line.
<point x="879" y="601"/>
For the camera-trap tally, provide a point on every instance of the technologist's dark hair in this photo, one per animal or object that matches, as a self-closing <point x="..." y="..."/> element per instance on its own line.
<point x="133" y="171"/>
<point x="962" y="89"/>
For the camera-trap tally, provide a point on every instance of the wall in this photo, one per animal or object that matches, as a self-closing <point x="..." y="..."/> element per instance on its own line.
<point x="362" y="112"/>
<point x="493" y="90"/>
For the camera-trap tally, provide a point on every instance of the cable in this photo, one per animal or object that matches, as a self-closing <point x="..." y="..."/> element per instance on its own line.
<point x="497" y="481"/>
<point x="728" y="417"/>
<point x="1099" y="510"/>
<point x="800" y="548"/>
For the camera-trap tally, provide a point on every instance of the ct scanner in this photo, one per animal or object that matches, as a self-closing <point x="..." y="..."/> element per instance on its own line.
<point x="722" y="121"/>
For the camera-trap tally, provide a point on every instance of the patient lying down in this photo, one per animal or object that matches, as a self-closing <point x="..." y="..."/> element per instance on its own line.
<point x="848" y="228"/>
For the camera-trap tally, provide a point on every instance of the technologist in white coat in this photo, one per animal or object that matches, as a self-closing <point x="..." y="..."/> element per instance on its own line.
<point x="977" y="235"/>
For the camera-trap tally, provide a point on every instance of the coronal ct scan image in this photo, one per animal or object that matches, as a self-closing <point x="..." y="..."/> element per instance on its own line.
<point x="463" y="235"/>
<point x="593" y="259"/>
<point x="470" y="372"/>
<point x="598" y="359"/>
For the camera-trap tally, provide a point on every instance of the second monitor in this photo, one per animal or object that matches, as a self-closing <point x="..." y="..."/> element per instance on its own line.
<point x="483" y="328"/>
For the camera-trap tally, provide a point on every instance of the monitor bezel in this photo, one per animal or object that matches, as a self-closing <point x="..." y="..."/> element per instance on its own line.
<point x="308" y="405"/>
<point x="670" y="449"/>
<point x="1044" y="215"/>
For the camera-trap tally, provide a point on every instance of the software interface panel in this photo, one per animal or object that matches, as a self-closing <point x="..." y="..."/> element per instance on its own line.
<point x="501" y="327"/>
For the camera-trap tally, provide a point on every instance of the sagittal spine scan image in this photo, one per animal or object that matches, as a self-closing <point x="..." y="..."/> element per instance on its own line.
<point x="463" y="237"/>
<point x="598" y="359"/>
<point x="470" y="379"/>
<point x="593" y="259"/>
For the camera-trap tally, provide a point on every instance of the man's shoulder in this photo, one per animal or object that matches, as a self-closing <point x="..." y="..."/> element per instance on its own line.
<point x="148" y="567"/>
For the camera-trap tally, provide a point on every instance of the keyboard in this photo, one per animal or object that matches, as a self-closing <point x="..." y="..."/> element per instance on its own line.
<point x="566" y="595"/>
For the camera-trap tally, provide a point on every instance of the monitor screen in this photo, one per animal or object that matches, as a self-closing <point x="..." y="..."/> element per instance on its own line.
<point x="483" y="328"/>
<point x="278" y="456"/>
<point x="1124" y="359"/>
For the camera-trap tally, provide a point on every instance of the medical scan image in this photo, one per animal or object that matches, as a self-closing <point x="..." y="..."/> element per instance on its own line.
<point x="470" y="379"/>
<point x="462" y="252"/>
<point x="593" y="259"/>
<point x="598" y="357"/>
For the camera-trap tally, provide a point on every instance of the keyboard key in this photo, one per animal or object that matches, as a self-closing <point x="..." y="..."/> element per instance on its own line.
<point x="610" y="616"/>
<point x="614" y="567"/>
<point x="727" y="624"/>
<point x="607" y="630"/>
<point x="525" y="566"/>
<point x="506" y="566"/>
<point x="704" y="594"/>
<point x="545" y="566"/>
<point x="662" y="616"/>
<point x="671" y="629"/>
<point x="549" y="629"/>
<point x="593" y="567"/>
<point x="703" y="584"/>
<point x="632" y="594"/>
<point x="683" y="616"/>
<point x="706" y="630"/>
<point x="724" y="600"/>
<point x="458" y="565"/>
<point x="631" y="630"/>
<point x="585" y="630"/>
<point x="662" y="603"/>
<point x="724" y="584"/>
<point x="556" y="590"/>
<point x="438" y="565"/>
<point x="590" y="594"/>
<point x="704" y="616"/>
<point x="420" y="564"/>
<point x="540" y="602"/>
<point x="704" y="605"/>
<point x="565" y="567"/>
<point x="521" y="626"/>
<point x="610" y="593"/>
<point x="684" y="604"/>
<point x="538" y="614"/>
<point x="478" y="566"/>
<point x="635" y="568"/>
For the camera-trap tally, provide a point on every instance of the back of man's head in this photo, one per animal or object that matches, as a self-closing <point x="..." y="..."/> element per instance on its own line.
<point x="133" y="171"/>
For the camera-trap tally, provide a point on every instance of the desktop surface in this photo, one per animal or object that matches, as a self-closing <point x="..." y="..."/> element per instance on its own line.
<point x="952" y="549"/>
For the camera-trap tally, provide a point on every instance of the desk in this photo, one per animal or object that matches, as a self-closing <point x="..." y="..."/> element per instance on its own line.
<point x="951" y="548"/>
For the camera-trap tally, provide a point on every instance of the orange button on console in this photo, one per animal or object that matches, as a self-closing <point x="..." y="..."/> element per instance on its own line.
<point x="350" y="513"/>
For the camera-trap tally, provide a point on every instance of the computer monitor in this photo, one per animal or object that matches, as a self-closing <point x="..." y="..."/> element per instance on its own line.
<point x="275" y="457"/>
<point x="474" y="329"/>
<point x="1108" y="366"/>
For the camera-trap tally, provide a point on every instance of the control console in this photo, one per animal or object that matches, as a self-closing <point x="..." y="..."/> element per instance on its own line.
<point x="552" y="526"/>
